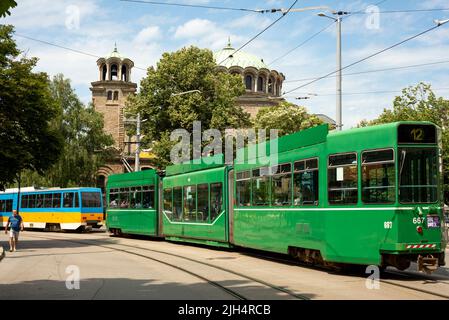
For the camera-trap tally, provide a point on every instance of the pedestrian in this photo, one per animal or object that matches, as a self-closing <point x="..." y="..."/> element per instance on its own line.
<point x="16" y="223"/>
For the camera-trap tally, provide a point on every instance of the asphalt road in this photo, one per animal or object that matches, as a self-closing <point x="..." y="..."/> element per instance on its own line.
<point x="49" y="265"/>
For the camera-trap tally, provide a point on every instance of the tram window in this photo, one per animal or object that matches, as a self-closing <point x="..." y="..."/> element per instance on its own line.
<point x="281" y="185"/>
<point x="113" y="198"/>
<point x="203" y="203"/>
<point x="418" y="176"/>
<point x="35" y="200"/>
<point x="90" y="199"/>
<point x="68" y="199"/>
<point x="306" y="183"/>
<point x="243" y="189"/>
<point x="177" y="204"/>
<point x="190" y="203"/>
<point x="77" y="202"/>
<point x="124" y="198"/>
<point x="24" y="202"/>
<point x="379" y="176"/>
<point x="168" y="207"/>
<point x="39" y="200"/>
<point x="48" y="200"/>
<point x="138" y="199"/>
<point x="261" y="187"/>
<point x="216" y="200"/>
<point x="342" y="179"/>
<point x="8" y="205"/>
<point x="5" y="205"/>
<point x="148" y="197"/>
<point x="56" y="200"/>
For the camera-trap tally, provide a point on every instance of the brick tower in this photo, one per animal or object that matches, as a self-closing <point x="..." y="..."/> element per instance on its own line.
<point x="109" y="94"/>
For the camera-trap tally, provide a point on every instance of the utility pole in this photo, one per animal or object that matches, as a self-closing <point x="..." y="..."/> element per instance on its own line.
<point x="137" y="166"/>
<point x="138" y="123"/>
<point x="339" y="80"/>
<point x="339" y="14"/>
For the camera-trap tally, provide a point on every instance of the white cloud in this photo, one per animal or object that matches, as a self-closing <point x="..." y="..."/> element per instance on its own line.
<point x="49" y="13"/>
<point x="205" y="33"/>
<point x="148" y="35"/>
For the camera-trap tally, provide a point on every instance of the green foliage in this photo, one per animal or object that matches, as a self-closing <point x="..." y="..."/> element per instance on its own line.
<point x="419" y="103"/>
<point x="287" y="117"/>
<point x="185" y="70"/>
<point x="5" y="5"/>
<point x="28" y="139"/>
<point x="82" y="129"/>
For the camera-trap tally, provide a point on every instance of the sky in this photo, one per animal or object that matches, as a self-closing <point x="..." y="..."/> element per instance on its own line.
<point x="143" y="32"/>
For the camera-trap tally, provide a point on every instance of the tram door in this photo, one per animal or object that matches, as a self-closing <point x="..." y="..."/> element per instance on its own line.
<point x="231" y="205"/>
<point x="160" y="209"/>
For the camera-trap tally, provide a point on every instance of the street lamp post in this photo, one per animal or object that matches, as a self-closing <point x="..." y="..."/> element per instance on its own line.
<point x="338" y="20"/>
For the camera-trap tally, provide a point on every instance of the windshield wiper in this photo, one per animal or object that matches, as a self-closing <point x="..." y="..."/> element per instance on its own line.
<point x="403" y="155"/>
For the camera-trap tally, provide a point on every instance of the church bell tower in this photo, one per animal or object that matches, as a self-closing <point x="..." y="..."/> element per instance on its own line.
<point x="109" y="94"/>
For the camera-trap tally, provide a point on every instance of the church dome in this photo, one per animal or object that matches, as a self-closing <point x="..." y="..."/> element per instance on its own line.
<point x="239" y="59"/>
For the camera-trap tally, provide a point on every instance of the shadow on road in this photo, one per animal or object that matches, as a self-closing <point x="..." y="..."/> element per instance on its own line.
<point x="135" y="289"/>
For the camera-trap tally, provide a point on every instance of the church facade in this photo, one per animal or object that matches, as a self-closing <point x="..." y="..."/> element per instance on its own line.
<point x="263" y="85"/>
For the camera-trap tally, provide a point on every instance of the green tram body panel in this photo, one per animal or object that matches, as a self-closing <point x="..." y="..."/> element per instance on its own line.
<point x="204" y="229"/>
<point x="356" y="233"/>
<point x="342" y="233"/>
<point x="140" y="221"/>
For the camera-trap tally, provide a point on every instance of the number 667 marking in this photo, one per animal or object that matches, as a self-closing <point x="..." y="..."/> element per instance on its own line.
<point x="388" y="224"/>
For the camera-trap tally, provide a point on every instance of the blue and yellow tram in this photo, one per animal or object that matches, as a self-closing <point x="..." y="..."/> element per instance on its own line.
<point x="55" y="209"/>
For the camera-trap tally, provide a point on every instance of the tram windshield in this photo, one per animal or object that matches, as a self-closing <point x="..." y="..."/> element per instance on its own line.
<point x="418" y="175"/>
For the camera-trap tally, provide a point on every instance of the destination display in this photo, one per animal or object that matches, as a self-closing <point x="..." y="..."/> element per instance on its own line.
<point x="417" y="134"/>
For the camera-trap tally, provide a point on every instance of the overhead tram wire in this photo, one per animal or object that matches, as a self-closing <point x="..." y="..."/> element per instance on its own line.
<point x="368" y="57"/>
<point x="407" y="11"/>
<point x="316" y="34"/>
<point x="365" y="93"/>
<point x="377" y="70"/>
<point x="302" y="43"/>
<point x="261" y="32"/>
<point x="65" y="48"/>
<point x="174" y="4"/>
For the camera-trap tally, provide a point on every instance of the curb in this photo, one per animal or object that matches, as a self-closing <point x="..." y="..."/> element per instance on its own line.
<point x="2" y="255"/>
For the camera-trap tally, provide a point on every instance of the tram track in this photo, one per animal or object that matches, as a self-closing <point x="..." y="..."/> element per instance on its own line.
<point x="409" y="275"/>
<point x="211" y="282"/>
<point x="404" y="274"/>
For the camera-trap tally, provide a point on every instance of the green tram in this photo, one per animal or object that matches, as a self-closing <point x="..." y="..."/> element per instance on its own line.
<point x="367" y="196"/>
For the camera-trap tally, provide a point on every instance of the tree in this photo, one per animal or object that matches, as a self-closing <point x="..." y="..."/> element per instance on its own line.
<point x="27" y="138"/>
<point x="159" y="100"/>
<point x="5" y="5"/>
<point x="419" y="103"/>
<point x="82" y="129"/>
<point x="287" y="118"/>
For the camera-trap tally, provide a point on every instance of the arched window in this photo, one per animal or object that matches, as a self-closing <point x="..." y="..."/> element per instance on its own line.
<point x="109" y="95"/>
<point x="260" y="85"/>
<point x="124" y="74"/>
<point x="249" y="82"/>
<point x="115" y="95"/>
<point x="104" y="73"/>
<point x="114" y="72"/>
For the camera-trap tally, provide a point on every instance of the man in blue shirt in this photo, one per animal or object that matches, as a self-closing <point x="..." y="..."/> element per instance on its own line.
<point x="16" y="223"/>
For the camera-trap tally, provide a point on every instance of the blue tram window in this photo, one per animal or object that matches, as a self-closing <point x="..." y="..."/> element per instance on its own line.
<point x="68" y="199"/>
<point x="8" y="205"/>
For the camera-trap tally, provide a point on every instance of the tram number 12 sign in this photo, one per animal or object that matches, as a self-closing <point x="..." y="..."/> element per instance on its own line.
<point x="417" y="134"/>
